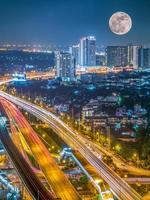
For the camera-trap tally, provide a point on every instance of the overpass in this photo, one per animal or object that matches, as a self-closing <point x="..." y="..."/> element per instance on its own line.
<point x="32" y="183"/>
<point x="53" y="174"/>
<point x="140" y="180"/>
<point x="121" y="189"/>
<point x="29" y="75"/>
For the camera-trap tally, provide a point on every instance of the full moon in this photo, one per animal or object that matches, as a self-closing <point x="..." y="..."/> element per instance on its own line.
<point x="120" y="23"/>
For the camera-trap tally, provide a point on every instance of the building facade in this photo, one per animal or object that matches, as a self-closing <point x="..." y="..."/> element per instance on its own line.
<point x="133" y="55"/>
<point x="100" y="59"/>
<point x="117" y="56"/>
<point x="87" y="51"/>
<point x="144" y="57"/>
<point x="74" y="50"/>
<point x="65" y="66"/>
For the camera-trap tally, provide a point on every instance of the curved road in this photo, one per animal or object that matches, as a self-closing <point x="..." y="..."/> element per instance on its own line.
<point x="34" y="186"/>
<point x="118" y="185"/>
<point x="55" y="177"/>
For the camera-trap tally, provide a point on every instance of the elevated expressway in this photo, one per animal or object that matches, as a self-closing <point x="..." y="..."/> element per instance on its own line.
<point x="57" y="180"/>
<point x="32" y="183"/>
<point x="121" y="189"/>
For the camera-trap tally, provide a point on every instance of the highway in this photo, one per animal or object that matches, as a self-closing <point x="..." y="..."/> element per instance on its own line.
<point x="54" y="176"/>
<point x="19" y="140"/>
<point x="32" y="183"/>
<point x="121" y="164"/>
<point x="140" y="180"/>
<point x="121" y="189"/>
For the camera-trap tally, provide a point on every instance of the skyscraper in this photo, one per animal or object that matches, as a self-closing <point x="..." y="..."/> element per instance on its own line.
<point x="74" y="50"/>
<point x="65" y="66"/>
<point x="144" y="57"/>
<point x="117" y="56"/>
<point x="100" y="59"/>
<point x="87" y="51"/>
<point x="133" y="55"/>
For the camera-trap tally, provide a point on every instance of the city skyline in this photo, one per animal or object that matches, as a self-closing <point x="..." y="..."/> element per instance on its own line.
<point x="75" y="99"/>
<point x="50" y="22"/>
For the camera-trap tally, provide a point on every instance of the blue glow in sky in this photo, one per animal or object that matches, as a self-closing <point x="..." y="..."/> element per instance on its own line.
<point x="65" y="21"/>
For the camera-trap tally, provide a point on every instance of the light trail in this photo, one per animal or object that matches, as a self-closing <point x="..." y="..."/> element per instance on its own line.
<point x="121" y="189"/>
<point x="54" y="176"/>
<point x="18" y="138"/>
<point x="95" y="184"/>
<point x="32" y="183"/>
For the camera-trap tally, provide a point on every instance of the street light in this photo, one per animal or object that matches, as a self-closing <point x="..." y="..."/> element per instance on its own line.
<point x="118" y="147"/>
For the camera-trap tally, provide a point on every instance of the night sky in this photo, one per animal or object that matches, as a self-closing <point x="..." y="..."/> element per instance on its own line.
<point x="63" y="22"/>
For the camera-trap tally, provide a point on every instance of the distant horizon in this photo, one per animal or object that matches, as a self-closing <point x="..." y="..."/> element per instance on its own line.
<point x="11" y="44"/>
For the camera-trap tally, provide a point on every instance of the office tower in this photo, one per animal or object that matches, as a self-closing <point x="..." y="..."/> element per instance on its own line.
<point x="100" y="59"/>
<point x="117" y="56"/>
<point x="144" y="57"/>
<point x="65" y="66"/>
<point x="140" y="57"/>
<point x="87" y="51"/>
<point x="133" y="55"/>
<point x="74" y="50"/>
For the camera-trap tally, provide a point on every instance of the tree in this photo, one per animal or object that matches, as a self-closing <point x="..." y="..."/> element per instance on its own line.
<point x="84" y="179"/>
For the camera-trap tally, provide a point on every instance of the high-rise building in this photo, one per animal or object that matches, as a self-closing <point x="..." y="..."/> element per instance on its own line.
<point x="117" y="56"/>
<point x="65" y="66"/>
<point x="87" y="51"/>
<point x="100" y="59"/>
<point x="140" y="57"/>
<point x="133" y="55"/>
<point x="144" y="57"/>
<point x="74" y="50"/>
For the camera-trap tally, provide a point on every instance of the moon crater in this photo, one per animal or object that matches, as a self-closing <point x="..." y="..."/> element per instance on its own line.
<point x="120" y="23"/>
